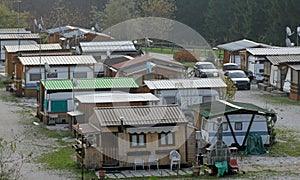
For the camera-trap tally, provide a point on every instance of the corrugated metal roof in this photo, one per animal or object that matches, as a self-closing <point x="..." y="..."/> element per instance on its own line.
<point x="13" y="42"/>
<point x="274" y="51"/>
<point x="19" y="36"/>
<point x="186" y="83"/>
<point x="217" y="108"/>
<point x="16" y="42"/>
<point x="283" y="59"/>
<point x="95" y="83"/>
<point x="295" y="66"/>
<point x="116" y="97"/>
<point x="240" y="45"/>
<point x="81" y="31"/>
<point x="14" y="31"/>
<point x="139" y="115"/>
<point x="32" y="47"/>
<point x="104" y="46"/>
<point x="58" y="60"/>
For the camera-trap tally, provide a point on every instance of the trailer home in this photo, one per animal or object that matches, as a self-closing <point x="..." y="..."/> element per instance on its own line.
<point x="238" y="119"/>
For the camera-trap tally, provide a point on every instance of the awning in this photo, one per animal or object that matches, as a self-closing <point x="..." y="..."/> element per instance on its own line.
<point x="153" y="129"/>
<point x="75" y="113"/>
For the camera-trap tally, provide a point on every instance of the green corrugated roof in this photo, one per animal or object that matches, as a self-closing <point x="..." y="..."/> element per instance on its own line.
<point x="217" y="108"/>
<point x="95" y="83"/>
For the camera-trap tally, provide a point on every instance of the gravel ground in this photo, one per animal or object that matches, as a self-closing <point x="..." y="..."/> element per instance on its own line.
<point x="14" y="122"/>
<point x="288" y="118"/>
<point x="279" y="167"/>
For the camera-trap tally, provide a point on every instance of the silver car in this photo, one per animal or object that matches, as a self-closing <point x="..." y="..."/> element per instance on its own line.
<point x="205" y="69"/>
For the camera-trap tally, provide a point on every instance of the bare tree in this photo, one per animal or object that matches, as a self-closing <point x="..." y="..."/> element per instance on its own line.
<point x="11" y="159"/>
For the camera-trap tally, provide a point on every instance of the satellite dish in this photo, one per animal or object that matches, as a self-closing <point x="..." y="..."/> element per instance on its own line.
<point x="148" y="42"/>
<point x="77" y="49"/>
<point x="288" y="31"/>
<point x="288" y="42"/>
<point x="97" y="27"/>
<point x="48" y="68"/>
<point x="74" y="82"/>
<point x="35" y="22"/>
<point x="40" y="27"/>
<point x="298" y="31"/>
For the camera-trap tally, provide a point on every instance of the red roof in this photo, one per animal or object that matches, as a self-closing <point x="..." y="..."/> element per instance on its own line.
<point x="142" y="59"/>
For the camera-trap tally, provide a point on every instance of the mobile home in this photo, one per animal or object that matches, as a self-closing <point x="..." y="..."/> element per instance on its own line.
<point x="239" y="120"/>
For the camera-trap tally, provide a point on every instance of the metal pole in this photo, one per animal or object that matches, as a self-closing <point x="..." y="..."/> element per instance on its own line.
<point x="82" y="156"/>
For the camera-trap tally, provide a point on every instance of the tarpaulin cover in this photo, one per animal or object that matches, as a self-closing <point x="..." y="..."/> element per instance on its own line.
<point x="254" y="145"/>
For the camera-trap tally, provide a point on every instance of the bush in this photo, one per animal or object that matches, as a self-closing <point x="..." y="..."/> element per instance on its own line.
<point x="185" y="56"/>
<point x="7" y="81"/>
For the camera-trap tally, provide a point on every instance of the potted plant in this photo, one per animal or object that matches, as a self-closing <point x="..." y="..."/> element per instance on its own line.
<point x="7" y="83"/>
<point x="196" y="169"/>
<point x="102" y="174"/>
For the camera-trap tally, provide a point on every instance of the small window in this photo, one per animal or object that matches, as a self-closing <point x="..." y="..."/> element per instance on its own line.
<point x="80" y="75"/>
<point x="225" y="126"/>
<point x="166" y="139"/>
<point x="137" y="140"/>
<point x="34" y="77"/>
<point x="238" y="126"/>
<point x="295" y="77"/>
<point x="170" y="100"/>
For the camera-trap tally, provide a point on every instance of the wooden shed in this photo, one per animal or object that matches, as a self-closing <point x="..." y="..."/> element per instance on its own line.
<point x="125" y="133"/>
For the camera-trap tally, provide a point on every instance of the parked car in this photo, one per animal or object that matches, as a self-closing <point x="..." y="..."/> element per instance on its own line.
<point x="239" y="78"/>
<point x="234" y="66"/>
<point x="205" y="69"/>
<point x="259" y="77"/>
<point x="230" y="66"/>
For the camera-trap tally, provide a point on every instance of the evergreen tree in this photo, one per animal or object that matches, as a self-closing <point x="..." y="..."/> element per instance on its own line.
<point x="218" y="21"/>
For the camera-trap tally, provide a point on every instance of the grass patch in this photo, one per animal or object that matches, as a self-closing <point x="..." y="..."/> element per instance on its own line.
<point x="279" y="99"/>
<point x="288" y="144"/>
<point x="60" y="159"/>
<point x="1" y="84"/>
<point x="8" y="97"/>
<point x="189" y="64"/>
<point x="63" y="158"/>
<point x="162" y="50"/>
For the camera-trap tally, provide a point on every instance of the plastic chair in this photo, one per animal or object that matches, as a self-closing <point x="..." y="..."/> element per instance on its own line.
<point x="138" y="162"/>
<point x="153" y="161"/>
<point x="174" y="158"/>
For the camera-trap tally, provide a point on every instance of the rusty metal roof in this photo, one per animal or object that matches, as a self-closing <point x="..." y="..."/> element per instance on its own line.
<point x="18" y="36"/>
<point x="186" y="83"/>
<point x="32" y="47"/>
<point x="284" y="59"/>
<point x="138" y="116"/>
<point x="58" y="60"/>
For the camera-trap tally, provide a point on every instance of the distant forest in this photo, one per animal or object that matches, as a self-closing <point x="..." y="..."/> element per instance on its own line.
<point x="218" y="21"/>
